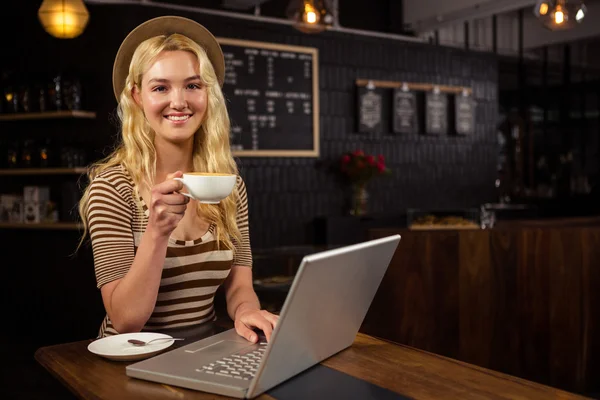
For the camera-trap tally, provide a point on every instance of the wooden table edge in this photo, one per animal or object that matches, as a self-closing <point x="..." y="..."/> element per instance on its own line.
<point x="44" y="360"/>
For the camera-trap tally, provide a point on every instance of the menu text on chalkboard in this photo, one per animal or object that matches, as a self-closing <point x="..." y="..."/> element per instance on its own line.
<point x="464" y="114"/>
<point x="370" y="110"/>
<point x="272" y="95"/>
<point x="436" y="113"/>
<point x="405" y="111"/>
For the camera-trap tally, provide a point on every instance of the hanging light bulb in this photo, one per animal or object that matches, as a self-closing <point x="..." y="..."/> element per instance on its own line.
<point x="560" y="14"/>
<point x="63" y="19"/>
<point x="310" y="16"/>
<point x="581" y="13"/>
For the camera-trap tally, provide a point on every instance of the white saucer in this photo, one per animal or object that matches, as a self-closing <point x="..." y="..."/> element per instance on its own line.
<point x="117" y="348"/>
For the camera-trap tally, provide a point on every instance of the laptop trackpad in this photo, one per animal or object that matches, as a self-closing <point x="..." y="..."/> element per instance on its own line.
<point x="218" y="348"/>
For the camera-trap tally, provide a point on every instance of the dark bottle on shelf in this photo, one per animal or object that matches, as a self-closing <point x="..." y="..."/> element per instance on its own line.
<point x="11" y="100"/>
<point x="71" y="90"/>
<point x="3" y="150"/>
<point x="76" y="94"/>
<point x="46" y="154"/>
<point x="27" y="154"/>
<point x="54" y="93"/>
<point x="38" y="98"/>
<point x="57" y="99"/>
<point x="12" y="155"/>
<point x="24" y="101"/>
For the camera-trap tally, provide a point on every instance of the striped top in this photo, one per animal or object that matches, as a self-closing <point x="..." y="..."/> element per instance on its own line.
<point x="193" y="269"/>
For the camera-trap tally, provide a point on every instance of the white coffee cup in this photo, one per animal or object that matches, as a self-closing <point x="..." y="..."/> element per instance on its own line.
<point x="207" y="187"/>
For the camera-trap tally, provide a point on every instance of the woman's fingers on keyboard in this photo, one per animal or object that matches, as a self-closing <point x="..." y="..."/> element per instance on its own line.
<point x="250" y="319"/>
<point x="244" y="331"/>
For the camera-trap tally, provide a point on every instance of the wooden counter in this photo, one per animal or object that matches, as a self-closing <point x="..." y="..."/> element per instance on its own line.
<point x="399" y="369"/>
<point x="522" y="300"/>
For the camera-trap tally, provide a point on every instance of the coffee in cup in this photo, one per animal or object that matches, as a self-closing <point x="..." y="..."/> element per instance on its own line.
<point x="208" y="187"/>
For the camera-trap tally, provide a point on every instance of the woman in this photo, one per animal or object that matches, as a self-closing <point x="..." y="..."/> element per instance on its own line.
<point x="158" y="256"/>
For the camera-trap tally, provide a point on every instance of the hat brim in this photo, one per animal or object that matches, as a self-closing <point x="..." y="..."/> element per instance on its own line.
<point x="166" y="25"/>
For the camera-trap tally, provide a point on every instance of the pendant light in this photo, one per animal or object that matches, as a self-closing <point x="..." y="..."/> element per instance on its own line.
<point x="63" y="19"/>
<point x="560" y="14"/>
<point x="310" y="16"/>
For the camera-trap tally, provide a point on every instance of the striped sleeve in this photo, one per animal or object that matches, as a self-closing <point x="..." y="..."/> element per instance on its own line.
<point x="110" y="217"/>
<point x="243" y="253"/>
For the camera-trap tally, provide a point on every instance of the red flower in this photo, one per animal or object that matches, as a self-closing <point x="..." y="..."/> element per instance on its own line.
<point x="360" y="168"/>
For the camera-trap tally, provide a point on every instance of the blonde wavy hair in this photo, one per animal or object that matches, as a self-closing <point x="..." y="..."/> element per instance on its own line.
<point x="136" y="151"/>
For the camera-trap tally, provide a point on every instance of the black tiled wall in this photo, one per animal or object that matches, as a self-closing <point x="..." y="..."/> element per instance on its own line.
<point x="439" y="172"/>
<point x="286" y="194"/>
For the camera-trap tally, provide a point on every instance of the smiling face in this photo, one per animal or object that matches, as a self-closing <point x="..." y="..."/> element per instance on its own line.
<point x="173" y="97"/>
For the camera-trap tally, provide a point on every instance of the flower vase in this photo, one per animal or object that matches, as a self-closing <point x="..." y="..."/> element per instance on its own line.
<point x="360" y="199"/>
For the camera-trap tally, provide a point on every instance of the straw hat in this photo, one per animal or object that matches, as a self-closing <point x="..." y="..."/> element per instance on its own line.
<point x="166" y="25"/>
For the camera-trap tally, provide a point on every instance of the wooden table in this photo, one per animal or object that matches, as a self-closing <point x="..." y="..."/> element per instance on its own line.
<point x="404" y="370"/>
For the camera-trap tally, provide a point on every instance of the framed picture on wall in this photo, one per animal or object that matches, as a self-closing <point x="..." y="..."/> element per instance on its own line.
<point x="405" y="111"/>
<point x="436" y="112"/>
<point x="370" y="109"/>
<point x="464" y="114"/>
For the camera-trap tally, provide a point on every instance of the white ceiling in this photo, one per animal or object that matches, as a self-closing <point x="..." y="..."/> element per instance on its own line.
<point x="448" y="17"/>
<point x="242" y="4"/>
<point x="426" y="15"/>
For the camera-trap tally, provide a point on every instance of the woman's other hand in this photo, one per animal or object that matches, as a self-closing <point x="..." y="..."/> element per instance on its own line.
<point x="167" y="207"/>
<point x="247" y="320"/>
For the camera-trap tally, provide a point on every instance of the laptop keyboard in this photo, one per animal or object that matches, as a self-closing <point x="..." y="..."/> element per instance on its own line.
<point x="240" y="365"/>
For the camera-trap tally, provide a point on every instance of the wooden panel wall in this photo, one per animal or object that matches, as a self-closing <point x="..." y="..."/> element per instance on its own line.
<point x="522" y="301"/>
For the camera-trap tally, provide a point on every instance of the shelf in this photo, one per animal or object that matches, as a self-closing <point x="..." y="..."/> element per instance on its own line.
<point x="43" y="171"/>
<point x="49" y="225"/>
<point x="413" y="86"/>
<point x="48" y="115"/>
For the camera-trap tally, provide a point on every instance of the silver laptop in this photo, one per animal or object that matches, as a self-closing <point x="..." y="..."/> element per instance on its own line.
<point x="323" y="311"/>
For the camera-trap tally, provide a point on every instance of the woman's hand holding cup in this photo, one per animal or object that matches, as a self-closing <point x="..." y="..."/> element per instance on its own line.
<point x="167" y="207"/>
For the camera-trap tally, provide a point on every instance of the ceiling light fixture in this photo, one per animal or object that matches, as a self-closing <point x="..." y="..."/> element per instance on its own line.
<point x="310" y="16"/>
<point x="64" y="19"/>
<point x="560" y="14"/>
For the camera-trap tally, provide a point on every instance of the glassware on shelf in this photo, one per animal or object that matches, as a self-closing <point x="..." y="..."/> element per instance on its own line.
<point x="72" y="94"/>
<point x="487" y="217"/>
<point x="45" y="154"/>
<point x="12" y="155"/>
<point x="11" y="100"/>
<point x="71" y="157"/>
<point x="24" y="100"/>
<point x="57" y="98"/>
<point x="27" y="154"/>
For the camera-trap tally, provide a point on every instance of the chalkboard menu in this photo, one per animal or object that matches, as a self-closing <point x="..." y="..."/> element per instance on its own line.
<point x="370" y="110"/>
<point x="464" y="114"/>
<point x="272" y="95"/>
<point x="436" y="113"/>
<point x="405" y="111"/>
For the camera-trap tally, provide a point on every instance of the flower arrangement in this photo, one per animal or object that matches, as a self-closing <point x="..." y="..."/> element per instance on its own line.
<point x="359" y="168"/>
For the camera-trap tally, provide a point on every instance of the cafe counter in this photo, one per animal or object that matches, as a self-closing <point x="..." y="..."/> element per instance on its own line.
<point x="522" y="298"/>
